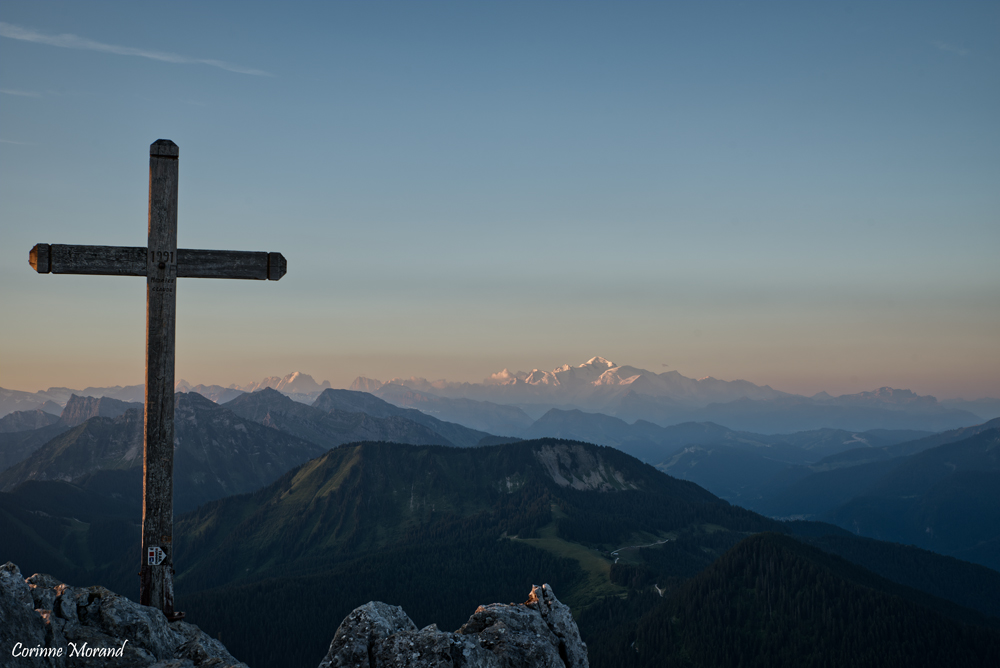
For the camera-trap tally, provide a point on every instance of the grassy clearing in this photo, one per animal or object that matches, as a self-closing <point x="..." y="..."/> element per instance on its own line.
<point x="597" y="584"/>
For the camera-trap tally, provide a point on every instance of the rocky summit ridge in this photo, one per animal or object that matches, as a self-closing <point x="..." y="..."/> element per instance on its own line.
<point x="537" y="633"/>
<point x="45" y="622"/>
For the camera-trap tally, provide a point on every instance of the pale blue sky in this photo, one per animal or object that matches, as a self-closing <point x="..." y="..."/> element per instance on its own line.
<point x="801" y="194"/>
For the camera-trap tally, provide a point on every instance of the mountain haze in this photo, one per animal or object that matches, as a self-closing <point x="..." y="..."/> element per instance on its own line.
<point x="945" y="499"/>
<point x="336" y="417"/>
<point x="216" y="454"/>
<point x="362" y="402"/>
<point x="589" y="384"/>
<point x="485" y="416"/>
<point x="667" y="398"/>
<point x="26" y="421"/>
<point x="743" y="468"/>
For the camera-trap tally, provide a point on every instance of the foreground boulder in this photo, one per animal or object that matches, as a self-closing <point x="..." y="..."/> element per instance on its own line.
<point x="539" y="633"/>
<point x="44" y="622"/>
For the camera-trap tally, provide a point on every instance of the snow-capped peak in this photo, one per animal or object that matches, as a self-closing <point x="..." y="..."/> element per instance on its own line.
<point x="599" y="361"/>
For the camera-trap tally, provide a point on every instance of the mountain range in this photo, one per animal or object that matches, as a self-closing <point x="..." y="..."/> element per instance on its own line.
<point x="937" y="492"/>
<point x="341" y="416"/>
<point x="297" y="384"/>
<point x="300" y="386"/>
<point x="24" y="432"/>
<point x="373" y="519"/>
<point x="217" y="453"/>
<point x="591" y="384"/>
<point x="830" y="474"/>
<point x="945" y="499"/>
<point x="628" y="547"/>
<point x="507" y="402"/>
<point x="220" y="450"/>
<point x="631" y="394"/>
<point x="814" y="474"/>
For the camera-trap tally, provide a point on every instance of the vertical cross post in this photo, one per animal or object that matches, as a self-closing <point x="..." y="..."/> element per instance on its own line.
<point x="156" y="586"/>
<point x="162" y="264"/>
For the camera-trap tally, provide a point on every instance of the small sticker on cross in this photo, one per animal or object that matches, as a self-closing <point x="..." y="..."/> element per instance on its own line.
<point x="155" y="556"/>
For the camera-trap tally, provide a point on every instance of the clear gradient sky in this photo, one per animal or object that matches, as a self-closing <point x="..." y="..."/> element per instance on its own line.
<point x="805" y="195"/>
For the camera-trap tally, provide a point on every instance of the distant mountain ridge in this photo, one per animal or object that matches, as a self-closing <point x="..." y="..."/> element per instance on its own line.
<point x="817" y="489"/>
<point x="591" y="383"/>
<point x="485" y="416"/>
<point x="742" y="467"/>
<point x="506" y="402"/>
<point x="217" y="454"/>
<point x="631" y="394"/>
<point x="945" y="499"/>
<point x="80" y="409"/>
<point x="333" y="421"/>
<point x="861" y="455"/>
<point x="26" y="420"/>
<point x="23" y="432"/>
<point x="294" y="383"/>
<point x="300" y="386"/>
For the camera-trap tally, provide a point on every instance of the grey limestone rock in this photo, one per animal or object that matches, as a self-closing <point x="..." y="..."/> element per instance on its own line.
<point x="361" y="630"/>
<point x="18" y="619"/>
<point x="431" y="648"/>
<point x="537" y="633"/>
<point x="94" y="627"/>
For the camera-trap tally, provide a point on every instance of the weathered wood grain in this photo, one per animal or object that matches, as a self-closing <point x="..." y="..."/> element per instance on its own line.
<point x="38" y="258"/>
<point x="162" y="263"/>
<point x="133" y="261"/>
<point x="97" y="260"/>
<point x="193" y="263"/>
<point x="156" y="581"/>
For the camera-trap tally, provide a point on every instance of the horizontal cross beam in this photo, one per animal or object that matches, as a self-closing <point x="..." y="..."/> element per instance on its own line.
<point x="131" y="261"/>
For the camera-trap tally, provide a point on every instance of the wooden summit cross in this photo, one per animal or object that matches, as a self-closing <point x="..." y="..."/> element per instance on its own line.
<point x="162" y="263"/>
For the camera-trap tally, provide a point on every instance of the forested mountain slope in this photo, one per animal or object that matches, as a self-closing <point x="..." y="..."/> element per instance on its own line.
<point x="402" y="523"/>
<point x="771" y="602"/>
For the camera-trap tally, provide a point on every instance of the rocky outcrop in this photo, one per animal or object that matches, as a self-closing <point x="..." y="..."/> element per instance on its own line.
<point x="539" y="633"/>
<point x="574" y="465"/>
<point x="80" y="409"/>
<point x="44" y="622"/>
